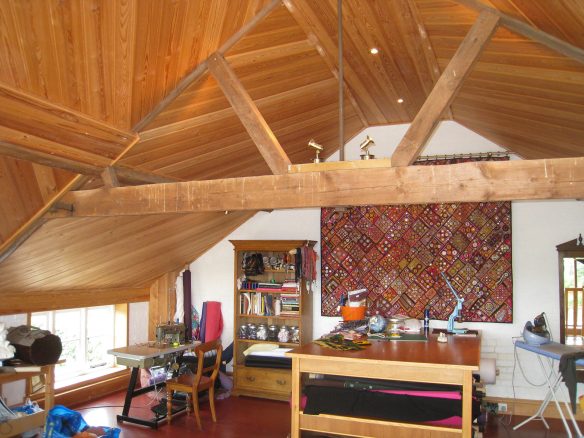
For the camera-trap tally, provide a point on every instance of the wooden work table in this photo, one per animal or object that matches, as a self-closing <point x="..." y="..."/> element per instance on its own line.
<point x="430" y="362"/>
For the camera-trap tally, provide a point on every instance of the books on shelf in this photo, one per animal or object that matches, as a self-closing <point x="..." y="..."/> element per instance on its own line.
<point x="255" y="303"/>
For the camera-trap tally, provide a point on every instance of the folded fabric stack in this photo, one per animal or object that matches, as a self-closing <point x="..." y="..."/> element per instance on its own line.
<point x="267" y="356"/>
<point x="6" y="350"/>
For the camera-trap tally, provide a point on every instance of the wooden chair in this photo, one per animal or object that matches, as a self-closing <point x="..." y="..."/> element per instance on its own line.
<point x="192" y="384"/>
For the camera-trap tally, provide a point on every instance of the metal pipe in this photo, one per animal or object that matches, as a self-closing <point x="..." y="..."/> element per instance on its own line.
<point x="341" y="83"/>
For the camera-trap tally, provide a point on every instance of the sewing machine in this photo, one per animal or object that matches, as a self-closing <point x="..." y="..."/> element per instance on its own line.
<point x="171" y="334"/>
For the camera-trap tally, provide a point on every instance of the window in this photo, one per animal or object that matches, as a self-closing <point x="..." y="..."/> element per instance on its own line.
<point x="86" y="334"/>
<point x="571" y="264"/>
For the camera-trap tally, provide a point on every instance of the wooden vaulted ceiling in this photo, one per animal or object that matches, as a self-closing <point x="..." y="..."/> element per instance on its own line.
<point x="96" y="92"/>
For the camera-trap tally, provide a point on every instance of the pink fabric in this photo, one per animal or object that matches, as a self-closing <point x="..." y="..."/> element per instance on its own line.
<point x="449" y="422"/>
<point x="214" y="321"/>
<point x="435" y="394"/>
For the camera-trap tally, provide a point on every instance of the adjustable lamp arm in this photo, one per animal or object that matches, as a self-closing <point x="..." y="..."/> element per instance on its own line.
<point x="457" y="309"/>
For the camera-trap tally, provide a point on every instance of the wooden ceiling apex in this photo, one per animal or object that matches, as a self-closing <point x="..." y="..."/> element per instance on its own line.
<point x="445" y="89"/>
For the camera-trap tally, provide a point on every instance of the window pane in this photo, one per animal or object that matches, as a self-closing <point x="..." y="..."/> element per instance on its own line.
<point x="580" y="273"/>
<point x="100" y="321"/>
<point x="100" y="335"/>
<point x="569" y="272"/>
<point x="86" y="335"/>
<point x="40" y="320"/>
<point x="68" y="324"/>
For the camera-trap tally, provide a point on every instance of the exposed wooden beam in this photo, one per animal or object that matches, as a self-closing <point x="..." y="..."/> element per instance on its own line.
<point x="249" y="114"/>
<point x="109" y="177"/>
<point x="201" y="69"/>
<point x="529" y="31"/>
<point x="137" y="176"/>
<point x="45" y="177"/>
<point x="23" y="302"/>
<point x="445" y="89"/>
<point x="50" y="129"/>
<point x="561" y="178"/>
<point x="36" y="221"/>
<point x="125" y="174"/>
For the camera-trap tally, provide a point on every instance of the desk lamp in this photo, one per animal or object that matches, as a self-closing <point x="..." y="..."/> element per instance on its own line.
<point x="456" y="313"/>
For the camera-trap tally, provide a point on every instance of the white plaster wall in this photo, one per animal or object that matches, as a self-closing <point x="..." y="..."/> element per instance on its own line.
<point x="537" y="228"/>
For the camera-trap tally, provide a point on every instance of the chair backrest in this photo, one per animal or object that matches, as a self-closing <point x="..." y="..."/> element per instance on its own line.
<point x="200" y="351"/>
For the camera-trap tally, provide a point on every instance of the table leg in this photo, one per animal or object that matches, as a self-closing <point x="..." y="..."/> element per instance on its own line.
<point x="130" y="392"/>
<point x="295" y="420"/>
<point x="50" y="387"/>
<point x="467" y="405"/>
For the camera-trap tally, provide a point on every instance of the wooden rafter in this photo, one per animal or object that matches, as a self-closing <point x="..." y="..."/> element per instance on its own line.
<point x="250" y="116"/>
<point x="109" y="177"/>
<point x="327" y="48"/>
<point x="529" y="31"/>
<point x="23" y="145"/>
<point x="561" y="178"/>
<point x="200" y="69"/>
<point x="445" y="89"/>
<point x="124" y="173"/>
<point x="37" y="220"/>
<point x="41" y="126"/>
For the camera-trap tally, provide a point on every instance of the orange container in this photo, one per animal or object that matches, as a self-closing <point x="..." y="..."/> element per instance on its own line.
<point x="353" y="313"/>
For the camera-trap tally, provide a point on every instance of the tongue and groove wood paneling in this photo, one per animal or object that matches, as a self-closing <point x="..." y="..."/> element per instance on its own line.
<point x="112" y="252"/>
<point x="113" y="61"/>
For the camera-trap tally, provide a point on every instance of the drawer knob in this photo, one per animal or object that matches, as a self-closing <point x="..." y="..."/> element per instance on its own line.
<point x="250" y="378"/>
<point x="280" y="382"/>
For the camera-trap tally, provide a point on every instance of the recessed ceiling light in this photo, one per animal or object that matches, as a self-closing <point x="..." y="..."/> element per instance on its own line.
<point x="374" y="50"/>
<point x="400" y="100"/>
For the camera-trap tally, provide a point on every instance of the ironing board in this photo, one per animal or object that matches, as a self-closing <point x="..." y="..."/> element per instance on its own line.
<point x="552" y="350"/>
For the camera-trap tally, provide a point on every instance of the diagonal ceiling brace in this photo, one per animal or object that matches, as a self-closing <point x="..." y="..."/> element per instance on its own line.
<point x="445" y="89"/>
<point x="250" y="116"/>
<point x="529" y="31"/>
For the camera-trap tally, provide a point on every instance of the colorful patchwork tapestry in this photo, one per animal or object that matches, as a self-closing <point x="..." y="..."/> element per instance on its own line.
<point x="398" y="253"/>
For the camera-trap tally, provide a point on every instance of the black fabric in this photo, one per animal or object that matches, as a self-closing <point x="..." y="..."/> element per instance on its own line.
<point x="187" y="304"/>
<point x="253" y="264"/>
<point x="371" y="404"/>
<point x="268" y="362"/>
<point x="568" y="371"/>
<point x="362" y="383"/>
<point x="298" y="265"/>
<point x="226" y="357"/>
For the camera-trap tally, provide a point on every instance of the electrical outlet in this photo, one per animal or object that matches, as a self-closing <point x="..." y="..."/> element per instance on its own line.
<point x="502" y="407"/>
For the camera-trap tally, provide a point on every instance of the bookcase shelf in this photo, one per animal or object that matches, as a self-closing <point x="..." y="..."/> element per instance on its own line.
<point x="268" y="317"/>
<point x="270" y="383"/>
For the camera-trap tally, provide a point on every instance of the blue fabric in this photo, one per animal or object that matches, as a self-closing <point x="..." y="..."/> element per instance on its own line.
<point x="63" y="422"/>
<point x="553" y="350"/>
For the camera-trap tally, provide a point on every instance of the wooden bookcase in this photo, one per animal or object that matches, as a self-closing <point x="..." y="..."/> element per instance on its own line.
<point x="267" y="382"/>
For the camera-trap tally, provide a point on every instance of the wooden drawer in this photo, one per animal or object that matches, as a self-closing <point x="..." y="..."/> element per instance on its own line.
<point x="266" y="380"/>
